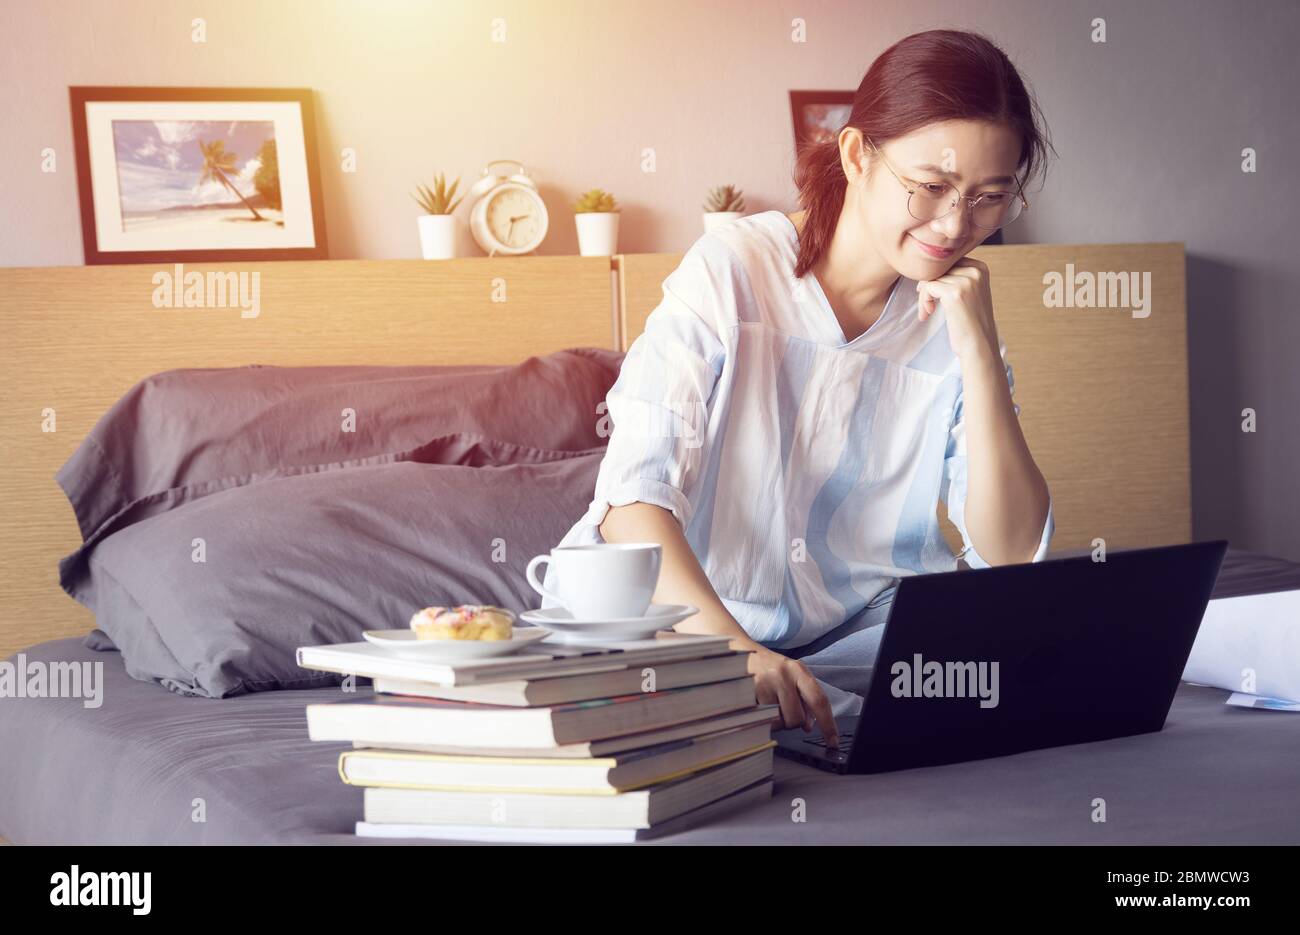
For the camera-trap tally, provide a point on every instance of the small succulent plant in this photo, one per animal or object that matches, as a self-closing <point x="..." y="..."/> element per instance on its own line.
<point x="594" y="200"/>
<point x="438" y="200"/>
<point x="725" y="198"/>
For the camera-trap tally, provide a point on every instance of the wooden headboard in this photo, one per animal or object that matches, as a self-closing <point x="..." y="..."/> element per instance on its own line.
<point x="1103" y="394"/>
<point x="76" y="338"/>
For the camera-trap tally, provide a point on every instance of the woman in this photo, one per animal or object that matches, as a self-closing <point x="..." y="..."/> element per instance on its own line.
<point x="811" y="385"/>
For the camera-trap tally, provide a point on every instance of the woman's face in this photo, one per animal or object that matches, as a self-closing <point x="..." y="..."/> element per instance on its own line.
<point x="972" y="156"/>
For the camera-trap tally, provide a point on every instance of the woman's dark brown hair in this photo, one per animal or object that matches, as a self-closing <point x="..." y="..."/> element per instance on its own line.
<point x="926" y="78"/>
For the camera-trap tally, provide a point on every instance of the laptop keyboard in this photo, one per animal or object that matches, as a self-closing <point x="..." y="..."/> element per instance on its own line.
<point x="820" y="741"/>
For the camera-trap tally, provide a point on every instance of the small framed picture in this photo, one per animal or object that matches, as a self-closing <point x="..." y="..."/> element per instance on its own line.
<point x="819" y="115"/>
<point x="197" y="174"/>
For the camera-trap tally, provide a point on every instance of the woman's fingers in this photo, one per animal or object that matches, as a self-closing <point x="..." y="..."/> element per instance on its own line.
<point x="814" y="697"/>
<point x="788" y="683"/>
<point x="926" y="299"/>
<point x="773" y="690"/>
<point x="791" y="706"/>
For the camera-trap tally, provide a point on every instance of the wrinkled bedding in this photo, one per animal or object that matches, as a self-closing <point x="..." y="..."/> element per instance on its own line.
<point x="146" y="764"/>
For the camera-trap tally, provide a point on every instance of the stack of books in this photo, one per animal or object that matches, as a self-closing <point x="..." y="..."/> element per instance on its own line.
<point x="559" y="742"/>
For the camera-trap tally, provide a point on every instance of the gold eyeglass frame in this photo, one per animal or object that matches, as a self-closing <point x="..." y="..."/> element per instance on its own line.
<point x="972" y="202"/>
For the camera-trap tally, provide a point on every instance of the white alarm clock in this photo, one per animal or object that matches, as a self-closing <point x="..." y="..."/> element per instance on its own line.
<point x="509" y="215"/>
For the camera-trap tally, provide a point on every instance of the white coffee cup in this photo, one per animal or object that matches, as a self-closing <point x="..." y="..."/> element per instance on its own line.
<point x="601" y="581"/>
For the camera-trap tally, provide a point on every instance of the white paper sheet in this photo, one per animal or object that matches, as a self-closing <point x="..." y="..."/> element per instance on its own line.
<point x="1242" y="700"/>
<point x="1250" y="644"/>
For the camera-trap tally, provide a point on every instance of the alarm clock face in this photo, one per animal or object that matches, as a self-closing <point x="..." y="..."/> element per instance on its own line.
<point x="514" y="217"/>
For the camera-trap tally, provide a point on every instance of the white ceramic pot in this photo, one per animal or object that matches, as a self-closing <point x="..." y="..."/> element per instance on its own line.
<point x="713" y="219"/>
<point x="597" y="233"/>
<point x="437" y="236"/>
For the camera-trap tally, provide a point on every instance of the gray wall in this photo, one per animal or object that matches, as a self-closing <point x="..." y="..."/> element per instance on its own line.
<point x="1149" y="128"/>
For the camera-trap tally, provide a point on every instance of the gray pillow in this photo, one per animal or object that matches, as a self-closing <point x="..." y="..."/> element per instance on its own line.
<point x="455" y="449"/>
<point x="212" y="597"/>
<point x="204" y="429"/>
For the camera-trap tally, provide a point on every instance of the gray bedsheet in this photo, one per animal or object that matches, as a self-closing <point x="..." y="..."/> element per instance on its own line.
<point x="143" y="765"/>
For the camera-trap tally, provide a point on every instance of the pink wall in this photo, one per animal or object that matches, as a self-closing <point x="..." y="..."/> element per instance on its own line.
<point x="576" y="91"/>
<point x="581" y="87"/>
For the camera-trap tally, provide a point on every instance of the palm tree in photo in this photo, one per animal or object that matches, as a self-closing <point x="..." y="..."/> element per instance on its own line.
<point x="267" y="177"/>
<point x="216" y="162"/>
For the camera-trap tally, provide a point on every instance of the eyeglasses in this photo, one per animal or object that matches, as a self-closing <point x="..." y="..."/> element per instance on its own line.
<point x="929" y="201"/>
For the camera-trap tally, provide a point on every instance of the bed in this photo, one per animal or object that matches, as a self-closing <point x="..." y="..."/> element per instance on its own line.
<point x="153" y="765"/>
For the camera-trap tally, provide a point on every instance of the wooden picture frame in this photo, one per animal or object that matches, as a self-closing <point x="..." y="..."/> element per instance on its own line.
<point x="813" y="112"/>
<point x="153" y="189"/>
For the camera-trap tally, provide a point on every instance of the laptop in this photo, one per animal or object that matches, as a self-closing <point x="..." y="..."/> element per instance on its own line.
<point x="987" y="662"/>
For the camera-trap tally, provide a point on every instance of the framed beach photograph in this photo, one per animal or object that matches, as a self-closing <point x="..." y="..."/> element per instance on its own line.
<point x="197" y="174"/>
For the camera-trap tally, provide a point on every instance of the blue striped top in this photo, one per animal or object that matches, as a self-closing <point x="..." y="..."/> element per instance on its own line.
<point x="805" y="470"/>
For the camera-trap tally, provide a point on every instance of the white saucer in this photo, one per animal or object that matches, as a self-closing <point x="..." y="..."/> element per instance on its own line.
<point x="402" y="642"/>
<point x="614" y="629"/>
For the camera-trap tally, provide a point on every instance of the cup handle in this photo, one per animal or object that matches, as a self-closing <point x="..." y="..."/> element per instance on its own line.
<point x="531" y="575"/>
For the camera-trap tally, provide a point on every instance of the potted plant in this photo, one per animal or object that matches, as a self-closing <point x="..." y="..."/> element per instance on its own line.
<point x="596" y="215"/>
<point x="724" y="205"/>
<point x="437" y="226"/>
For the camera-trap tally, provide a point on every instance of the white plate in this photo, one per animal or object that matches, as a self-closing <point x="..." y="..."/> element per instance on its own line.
<point x="402" y="642"/>
<point x="615" y="629"/>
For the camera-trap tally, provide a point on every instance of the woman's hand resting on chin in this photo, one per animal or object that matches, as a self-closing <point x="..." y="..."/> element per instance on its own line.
<point x="968" y="304"/>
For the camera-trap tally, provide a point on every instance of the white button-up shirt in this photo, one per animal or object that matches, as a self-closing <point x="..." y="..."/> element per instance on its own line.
<point x="805" y="470"/>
